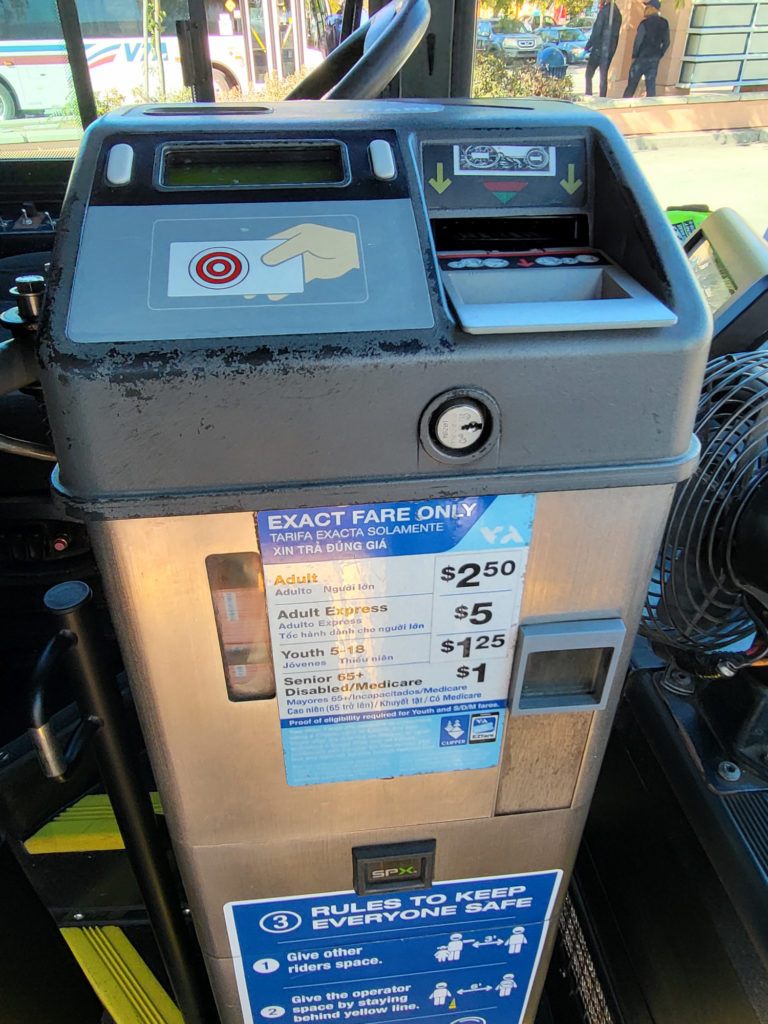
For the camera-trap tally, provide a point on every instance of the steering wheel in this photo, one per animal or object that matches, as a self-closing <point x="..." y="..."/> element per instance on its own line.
<point x="369" y="59"/>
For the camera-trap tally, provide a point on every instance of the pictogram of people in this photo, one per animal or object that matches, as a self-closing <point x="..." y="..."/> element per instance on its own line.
<point x="505" y="986"/>
<point x="455" y="946"/>
<point x="516" y="940"/>
<point x="441" y="995"/>
<point x="442" y="954"/>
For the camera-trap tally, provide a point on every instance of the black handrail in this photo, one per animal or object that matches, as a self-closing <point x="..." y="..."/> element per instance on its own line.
<point x="78" y="63"/>
<point x="98" y="697"/>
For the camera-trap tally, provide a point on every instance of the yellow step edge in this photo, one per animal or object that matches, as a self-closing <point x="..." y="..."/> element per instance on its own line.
<point x="127" y="988"/>
<point x="85" y="826"/>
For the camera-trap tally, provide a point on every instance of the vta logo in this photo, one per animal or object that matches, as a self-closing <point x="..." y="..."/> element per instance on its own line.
<point x="491" y="535"/>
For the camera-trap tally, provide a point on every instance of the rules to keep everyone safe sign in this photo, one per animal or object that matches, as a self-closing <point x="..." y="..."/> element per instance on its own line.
<point x="462" y="952"/>
<point x="392" y="629"/>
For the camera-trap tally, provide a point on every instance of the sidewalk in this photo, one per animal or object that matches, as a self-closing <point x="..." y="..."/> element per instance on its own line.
<point x="31" y="137"/>
<point x="684" y="163"/>
<point x="692" y="112"/>
<point x="725" y="168"/>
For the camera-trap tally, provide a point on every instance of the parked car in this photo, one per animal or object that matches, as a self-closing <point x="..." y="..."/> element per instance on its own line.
<point x="584" y="22"/>
<point x="512" y="41"/>
<point x="484" y="35"/>
<point x="570" y="42"/>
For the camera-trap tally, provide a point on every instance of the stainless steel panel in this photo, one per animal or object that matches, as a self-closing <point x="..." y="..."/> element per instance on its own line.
<point x="592" y="552"/>
<point x="509" y="844"/>
<point x="241" y="832"/>
<point x="219" y="764"/>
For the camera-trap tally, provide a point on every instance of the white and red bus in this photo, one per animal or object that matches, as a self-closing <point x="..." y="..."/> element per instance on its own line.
<point x="34" y="70"/>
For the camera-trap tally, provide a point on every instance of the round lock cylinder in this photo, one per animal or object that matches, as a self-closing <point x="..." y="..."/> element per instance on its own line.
<point x="458" y="427"/>
<point x="460" y="424"/>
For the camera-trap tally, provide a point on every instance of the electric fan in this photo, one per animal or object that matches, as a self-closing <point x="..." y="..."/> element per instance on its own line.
<point x="707" y="607"/>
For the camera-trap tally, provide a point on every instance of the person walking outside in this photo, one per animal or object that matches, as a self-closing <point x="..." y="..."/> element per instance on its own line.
<point x="651" y="43"/>
<point x="601" y="45"/>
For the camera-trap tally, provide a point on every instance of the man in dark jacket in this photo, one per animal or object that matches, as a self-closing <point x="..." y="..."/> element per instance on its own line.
<point x="602" y="44"/>
<point x="651" y="43"/>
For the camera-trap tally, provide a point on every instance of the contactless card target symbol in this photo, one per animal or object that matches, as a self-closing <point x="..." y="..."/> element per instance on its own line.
<point x="218" y="268"/>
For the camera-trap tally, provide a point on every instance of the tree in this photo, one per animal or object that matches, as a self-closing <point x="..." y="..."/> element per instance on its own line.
<point x="512" y="8"/>
<point x="506" y="8"/>
<point x="573" y="8"/>
<point x="152" y="17"/>
<point x="493" y="79"/>
<point x="155" y="24"/>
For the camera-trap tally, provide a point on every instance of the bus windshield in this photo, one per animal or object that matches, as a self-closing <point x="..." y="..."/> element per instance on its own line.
<point x="260" y="49"/>
<point x="133" y="53"/>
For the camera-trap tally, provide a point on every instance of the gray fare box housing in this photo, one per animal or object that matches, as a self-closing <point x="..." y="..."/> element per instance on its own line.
<point x="302" y="334"/>
<point x="171" y="393"/>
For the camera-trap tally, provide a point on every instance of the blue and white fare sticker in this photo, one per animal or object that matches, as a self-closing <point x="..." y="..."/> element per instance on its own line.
<point x="393" y="630"/>
<point x="463" y="952"/>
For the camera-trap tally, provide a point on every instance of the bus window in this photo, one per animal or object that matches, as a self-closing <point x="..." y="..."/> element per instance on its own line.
<point x="34" y="72"/>
<point x="316" y="14"/>
<point x="109" y="17"/>
<point x="20" y="19"/>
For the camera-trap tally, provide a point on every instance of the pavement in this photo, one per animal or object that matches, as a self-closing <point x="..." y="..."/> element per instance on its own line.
<point x="715" y="168"/>
<point x="44" y="137"/>
<point x="722" y="168"/>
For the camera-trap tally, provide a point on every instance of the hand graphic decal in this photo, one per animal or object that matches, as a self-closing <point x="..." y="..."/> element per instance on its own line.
<point x="326" y="252"/>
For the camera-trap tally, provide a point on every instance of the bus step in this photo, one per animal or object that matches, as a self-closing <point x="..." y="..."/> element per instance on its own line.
<point x="125" y="985"/>
<point x="84" y="827"/>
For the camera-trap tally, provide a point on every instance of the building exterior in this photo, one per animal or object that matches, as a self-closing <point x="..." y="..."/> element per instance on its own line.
<point x="715" y="44"/>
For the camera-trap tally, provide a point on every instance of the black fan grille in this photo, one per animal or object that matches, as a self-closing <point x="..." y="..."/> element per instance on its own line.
<point x="694" y="601"/>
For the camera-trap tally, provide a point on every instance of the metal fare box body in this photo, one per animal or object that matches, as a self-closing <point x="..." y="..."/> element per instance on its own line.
<point x="375" y="455"/>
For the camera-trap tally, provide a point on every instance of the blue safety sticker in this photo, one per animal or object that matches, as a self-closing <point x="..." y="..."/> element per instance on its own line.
<point x="461" y="952"/>
<point x="393" y="628"/>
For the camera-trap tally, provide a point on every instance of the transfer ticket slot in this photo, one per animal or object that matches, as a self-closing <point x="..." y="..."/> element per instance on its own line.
<point x="392" y="629"/>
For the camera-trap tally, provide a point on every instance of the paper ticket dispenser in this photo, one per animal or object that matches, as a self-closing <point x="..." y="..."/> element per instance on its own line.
<point x="375" y="413"/>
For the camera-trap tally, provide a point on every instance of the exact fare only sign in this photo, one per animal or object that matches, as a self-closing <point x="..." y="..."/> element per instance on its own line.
<point x="393" y="630"/>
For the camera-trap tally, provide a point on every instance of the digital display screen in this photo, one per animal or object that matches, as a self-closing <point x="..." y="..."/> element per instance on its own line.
<point x="253" y="166"/>
<point x="711" y="276"/>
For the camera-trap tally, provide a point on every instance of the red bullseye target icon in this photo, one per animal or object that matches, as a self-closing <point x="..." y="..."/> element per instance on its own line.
<point x="218" y="268"/>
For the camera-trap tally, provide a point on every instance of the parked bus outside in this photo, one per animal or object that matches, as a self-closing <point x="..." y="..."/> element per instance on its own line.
<point x="124" y="64"/>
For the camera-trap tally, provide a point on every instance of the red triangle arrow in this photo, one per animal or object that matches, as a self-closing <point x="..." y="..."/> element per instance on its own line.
<point x="505" y="186"/>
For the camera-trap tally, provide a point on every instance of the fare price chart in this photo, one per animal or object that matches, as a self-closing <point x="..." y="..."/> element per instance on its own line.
<point x="392" y="630"/>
